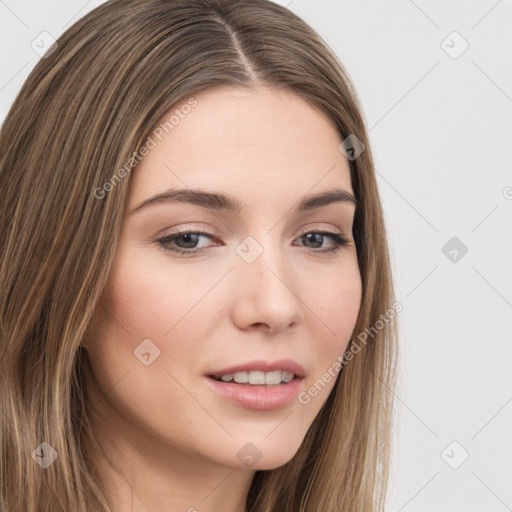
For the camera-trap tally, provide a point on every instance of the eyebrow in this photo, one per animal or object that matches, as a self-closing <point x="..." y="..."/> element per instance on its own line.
<point x="226" y="202"/>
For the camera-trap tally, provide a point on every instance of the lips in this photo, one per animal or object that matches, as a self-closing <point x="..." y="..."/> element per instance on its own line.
<point x="259" y="396"/>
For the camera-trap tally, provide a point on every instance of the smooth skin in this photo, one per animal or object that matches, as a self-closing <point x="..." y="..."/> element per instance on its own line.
<point x="172" y="439"/>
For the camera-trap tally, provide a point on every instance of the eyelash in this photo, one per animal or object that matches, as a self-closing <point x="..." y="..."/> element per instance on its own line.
<point x="338" y="239"/>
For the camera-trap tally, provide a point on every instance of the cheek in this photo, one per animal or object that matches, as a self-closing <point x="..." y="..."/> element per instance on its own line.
<point x="337" y="304"/>
<point x="142" y="344"/>
<point x="152" y="300"/>
<point x="142" y="303"/>
<point x="337" y="308"/>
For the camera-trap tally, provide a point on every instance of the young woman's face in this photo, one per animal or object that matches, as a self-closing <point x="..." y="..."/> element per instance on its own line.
<point x="259" y="289"/>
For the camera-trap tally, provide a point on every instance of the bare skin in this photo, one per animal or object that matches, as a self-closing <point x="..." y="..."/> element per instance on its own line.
<point x="175" y="442"/>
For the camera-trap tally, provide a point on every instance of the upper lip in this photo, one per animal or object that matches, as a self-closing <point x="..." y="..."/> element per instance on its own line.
<point x="263" y="366"/>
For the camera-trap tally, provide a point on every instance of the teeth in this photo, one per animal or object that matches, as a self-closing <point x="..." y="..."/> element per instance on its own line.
<point x="259" y="378"/>
<point x="256" y="377"/>
<point x="241" y="377"/>
<point x="287" y="376"/>
<point x="273" y="377"/>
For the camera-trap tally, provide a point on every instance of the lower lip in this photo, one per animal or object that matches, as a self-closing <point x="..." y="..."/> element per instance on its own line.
<point x="260" y="398"/>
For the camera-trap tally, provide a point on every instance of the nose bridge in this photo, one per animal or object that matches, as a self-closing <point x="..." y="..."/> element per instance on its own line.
<point x="267" y="287"/>
<point x="262" y="258"/>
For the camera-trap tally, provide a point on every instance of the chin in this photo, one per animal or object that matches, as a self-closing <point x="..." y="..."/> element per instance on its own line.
<point x="260" y="454"/>
<point x="273" y="462"/>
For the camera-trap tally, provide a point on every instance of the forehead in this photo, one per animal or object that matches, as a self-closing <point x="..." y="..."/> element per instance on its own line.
<point x="247" y="142"/>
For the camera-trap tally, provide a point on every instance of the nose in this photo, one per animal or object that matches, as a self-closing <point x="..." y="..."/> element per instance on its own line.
<point x="266" y="293"/>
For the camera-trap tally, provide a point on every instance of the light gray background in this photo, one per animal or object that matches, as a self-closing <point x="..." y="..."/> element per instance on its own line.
<point x="440" y="123"/>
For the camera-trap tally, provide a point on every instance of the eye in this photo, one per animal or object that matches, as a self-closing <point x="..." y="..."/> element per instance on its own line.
<point x="185" y="242"/>
<point x="317" y="237"/>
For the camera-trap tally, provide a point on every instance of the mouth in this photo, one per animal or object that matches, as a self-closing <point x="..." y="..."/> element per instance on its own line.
<point x="256" y="378"/>
<point x="259" y="385"/>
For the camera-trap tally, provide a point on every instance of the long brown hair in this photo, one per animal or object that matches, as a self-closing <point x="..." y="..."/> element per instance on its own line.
<point x="84" y="111"/>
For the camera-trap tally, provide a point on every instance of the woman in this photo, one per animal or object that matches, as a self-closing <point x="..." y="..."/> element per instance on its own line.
<point x="194" y="271"/>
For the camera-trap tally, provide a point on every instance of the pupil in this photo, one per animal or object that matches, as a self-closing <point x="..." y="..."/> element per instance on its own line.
<point x="310" y="235"/>
<point x="188" y="235"/>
